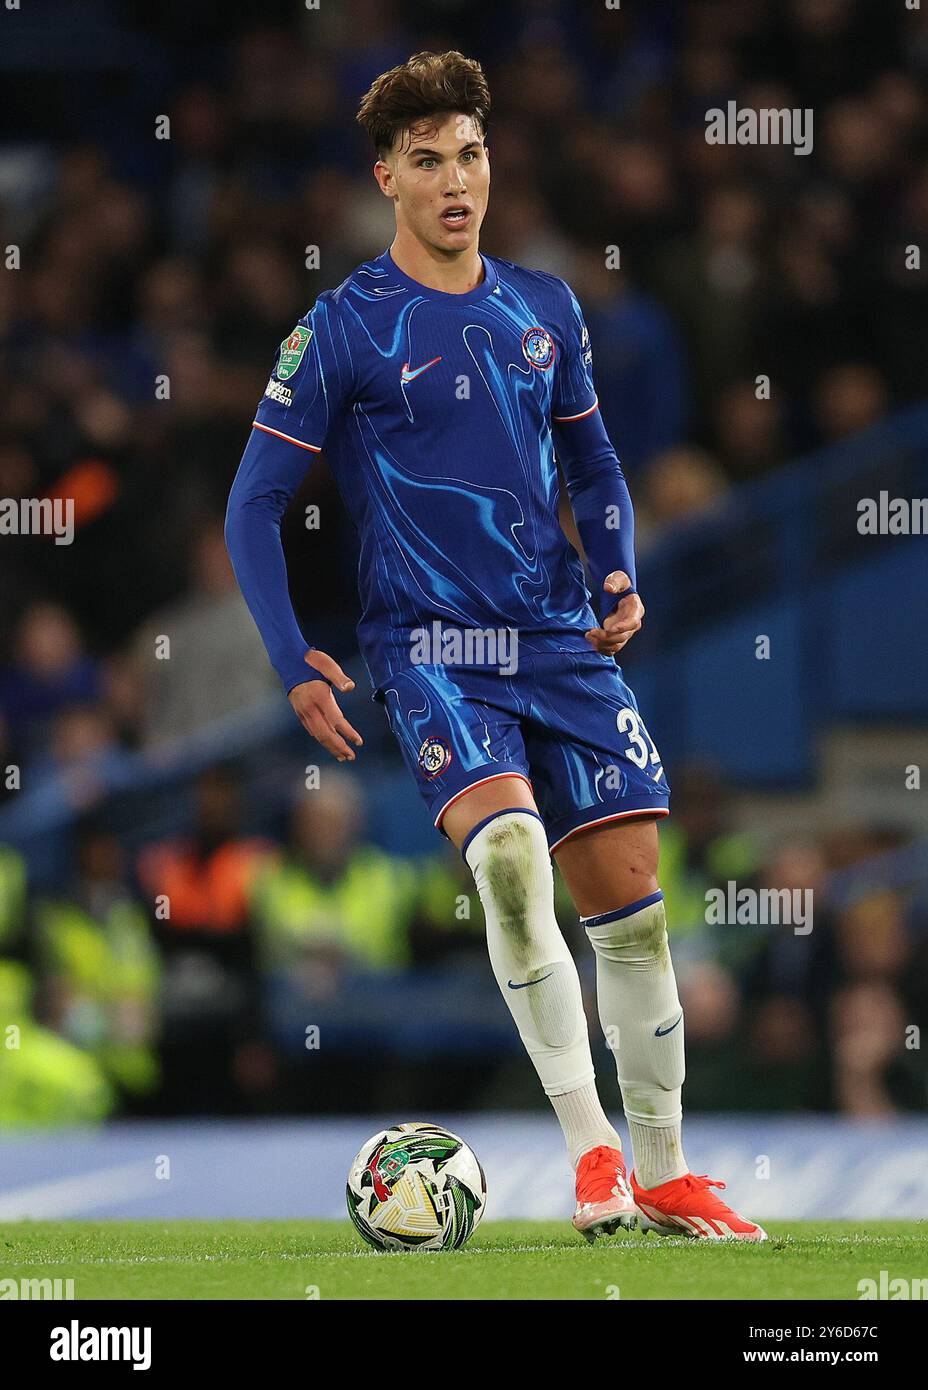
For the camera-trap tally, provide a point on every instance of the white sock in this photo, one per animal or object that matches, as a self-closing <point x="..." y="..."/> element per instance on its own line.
<point x="508" y="855"/>
<point x="640" y="1013"/>
<point x="584" y="1122"/>
<point x="658" y="1153"/>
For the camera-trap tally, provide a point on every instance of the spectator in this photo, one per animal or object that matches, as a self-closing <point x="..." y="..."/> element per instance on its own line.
<point x="98" y="966"/>
<point x="45" y="1081"/>
<point x="680" y="484"/>
<point x="640" y="362"/>
<point x="849" y="398"/>
<point x="198" y="890"/>
<point x="50" y="671"/>
<point x="202" y="658"/>
<point x="331" y="899"/>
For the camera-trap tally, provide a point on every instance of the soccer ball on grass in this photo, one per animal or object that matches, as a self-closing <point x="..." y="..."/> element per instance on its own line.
<point x="416" y="1187"/>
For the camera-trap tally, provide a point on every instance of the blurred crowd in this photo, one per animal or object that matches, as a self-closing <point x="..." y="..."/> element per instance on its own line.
<point x="157" y="275"/>
<point x="222" y="972"/>
<point x="150" y="271"/>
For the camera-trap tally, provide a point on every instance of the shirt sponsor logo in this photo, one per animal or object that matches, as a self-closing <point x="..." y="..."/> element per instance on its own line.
<point x="276" y="392"/>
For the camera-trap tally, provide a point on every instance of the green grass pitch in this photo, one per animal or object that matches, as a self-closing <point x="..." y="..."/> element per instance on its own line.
<point x="504" y="1260"/>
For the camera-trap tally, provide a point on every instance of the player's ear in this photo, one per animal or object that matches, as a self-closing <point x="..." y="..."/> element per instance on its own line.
<point x="384" y="176"/>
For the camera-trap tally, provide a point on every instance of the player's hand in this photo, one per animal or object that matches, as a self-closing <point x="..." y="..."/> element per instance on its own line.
<point x="318" y="711"/>
<point x="624" y="620"/>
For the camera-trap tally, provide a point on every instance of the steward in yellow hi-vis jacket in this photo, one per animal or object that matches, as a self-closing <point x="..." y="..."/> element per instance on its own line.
<point x="98" y="965"/>
<point x="44" y="1080"/>
<point x="101" y="975"/>
<point x="330" y="893"/>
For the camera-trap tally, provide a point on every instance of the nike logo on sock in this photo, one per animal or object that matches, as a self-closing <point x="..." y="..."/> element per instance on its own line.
<point x="662" y="1032"/>
<point x="534" y="982"/>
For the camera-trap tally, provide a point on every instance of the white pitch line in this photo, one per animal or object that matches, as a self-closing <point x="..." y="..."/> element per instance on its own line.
<point x="71" y="1196"/>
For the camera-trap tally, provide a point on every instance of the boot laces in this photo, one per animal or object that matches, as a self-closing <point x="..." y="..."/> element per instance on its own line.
<point x="602" y="1174"/>
<point x="700" y="1181"/>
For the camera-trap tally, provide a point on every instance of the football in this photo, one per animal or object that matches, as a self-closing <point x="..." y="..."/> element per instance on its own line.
<point x="416" y="1187"/>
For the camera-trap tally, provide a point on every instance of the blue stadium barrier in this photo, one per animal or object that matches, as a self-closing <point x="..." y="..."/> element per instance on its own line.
<point x="785" y="1169"/>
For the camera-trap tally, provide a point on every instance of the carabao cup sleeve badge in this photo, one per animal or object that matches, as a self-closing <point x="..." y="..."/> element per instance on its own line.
<point x="291" y="352"/>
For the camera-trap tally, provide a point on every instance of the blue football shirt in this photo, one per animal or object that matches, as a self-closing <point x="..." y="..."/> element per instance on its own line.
<point x="435" y="411"/>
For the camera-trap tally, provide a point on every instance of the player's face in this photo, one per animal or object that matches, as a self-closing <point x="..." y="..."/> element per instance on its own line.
<point x="439" y="177"/>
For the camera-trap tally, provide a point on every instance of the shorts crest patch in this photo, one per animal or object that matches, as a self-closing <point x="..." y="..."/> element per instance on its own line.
<point x="434" y="756"/>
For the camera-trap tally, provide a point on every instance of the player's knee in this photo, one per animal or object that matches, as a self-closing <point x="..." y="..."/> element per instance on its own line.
<point x="633" y="936"/>
<point x="510" y="863"/>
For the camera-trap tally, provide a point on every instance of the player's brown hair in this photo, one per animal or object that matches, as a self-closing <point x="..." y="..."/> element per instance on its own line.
<point x="427" y="84"/>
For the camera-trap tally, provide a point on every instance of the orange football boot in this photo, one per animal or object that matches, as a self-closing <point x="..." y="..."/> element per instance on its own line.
<point x="686" y="1207"/>
<point x="604" y="1198"/>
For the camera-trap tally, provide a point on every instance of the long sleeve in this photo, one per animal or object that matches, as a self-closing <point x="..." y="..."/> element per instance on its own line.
<point x="600" y="500"/>
<point x="269" y="474"/>
<point x="311" y="379"/>
<point x="596" y="484"/>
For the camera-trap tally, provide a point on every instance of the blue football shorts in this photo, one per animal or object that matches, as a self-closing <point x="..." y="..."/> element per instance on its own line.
<point x="565" y="722"/>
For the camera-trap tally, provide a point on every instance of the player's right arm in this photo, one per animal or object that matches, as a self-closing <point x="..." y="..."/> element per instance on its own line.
<point x="311" y="377"/>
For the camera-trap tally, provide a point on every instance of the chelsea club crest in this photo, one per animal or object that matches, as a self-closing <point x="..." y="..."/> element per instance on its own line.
<point x="538" y="347"/>
<point x="434" y="757"/>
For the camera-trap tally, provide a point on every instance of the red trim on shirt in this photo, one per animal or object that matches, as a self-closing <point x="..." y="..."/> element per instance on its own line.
<point x="313" y="448"/>
<point x="583" y="414"/>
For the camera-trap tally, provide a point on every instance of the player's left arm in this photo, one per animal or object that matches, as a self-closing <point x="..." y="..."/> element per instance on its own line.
<point x="598" y="492"/>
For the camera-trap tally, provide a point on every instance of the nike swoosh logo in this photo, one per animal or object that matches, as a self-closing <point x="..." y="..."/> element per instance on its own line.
<point x="662" y="1032"/>
<point x="531" y="982"/>
<point x="406" y="375"/>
